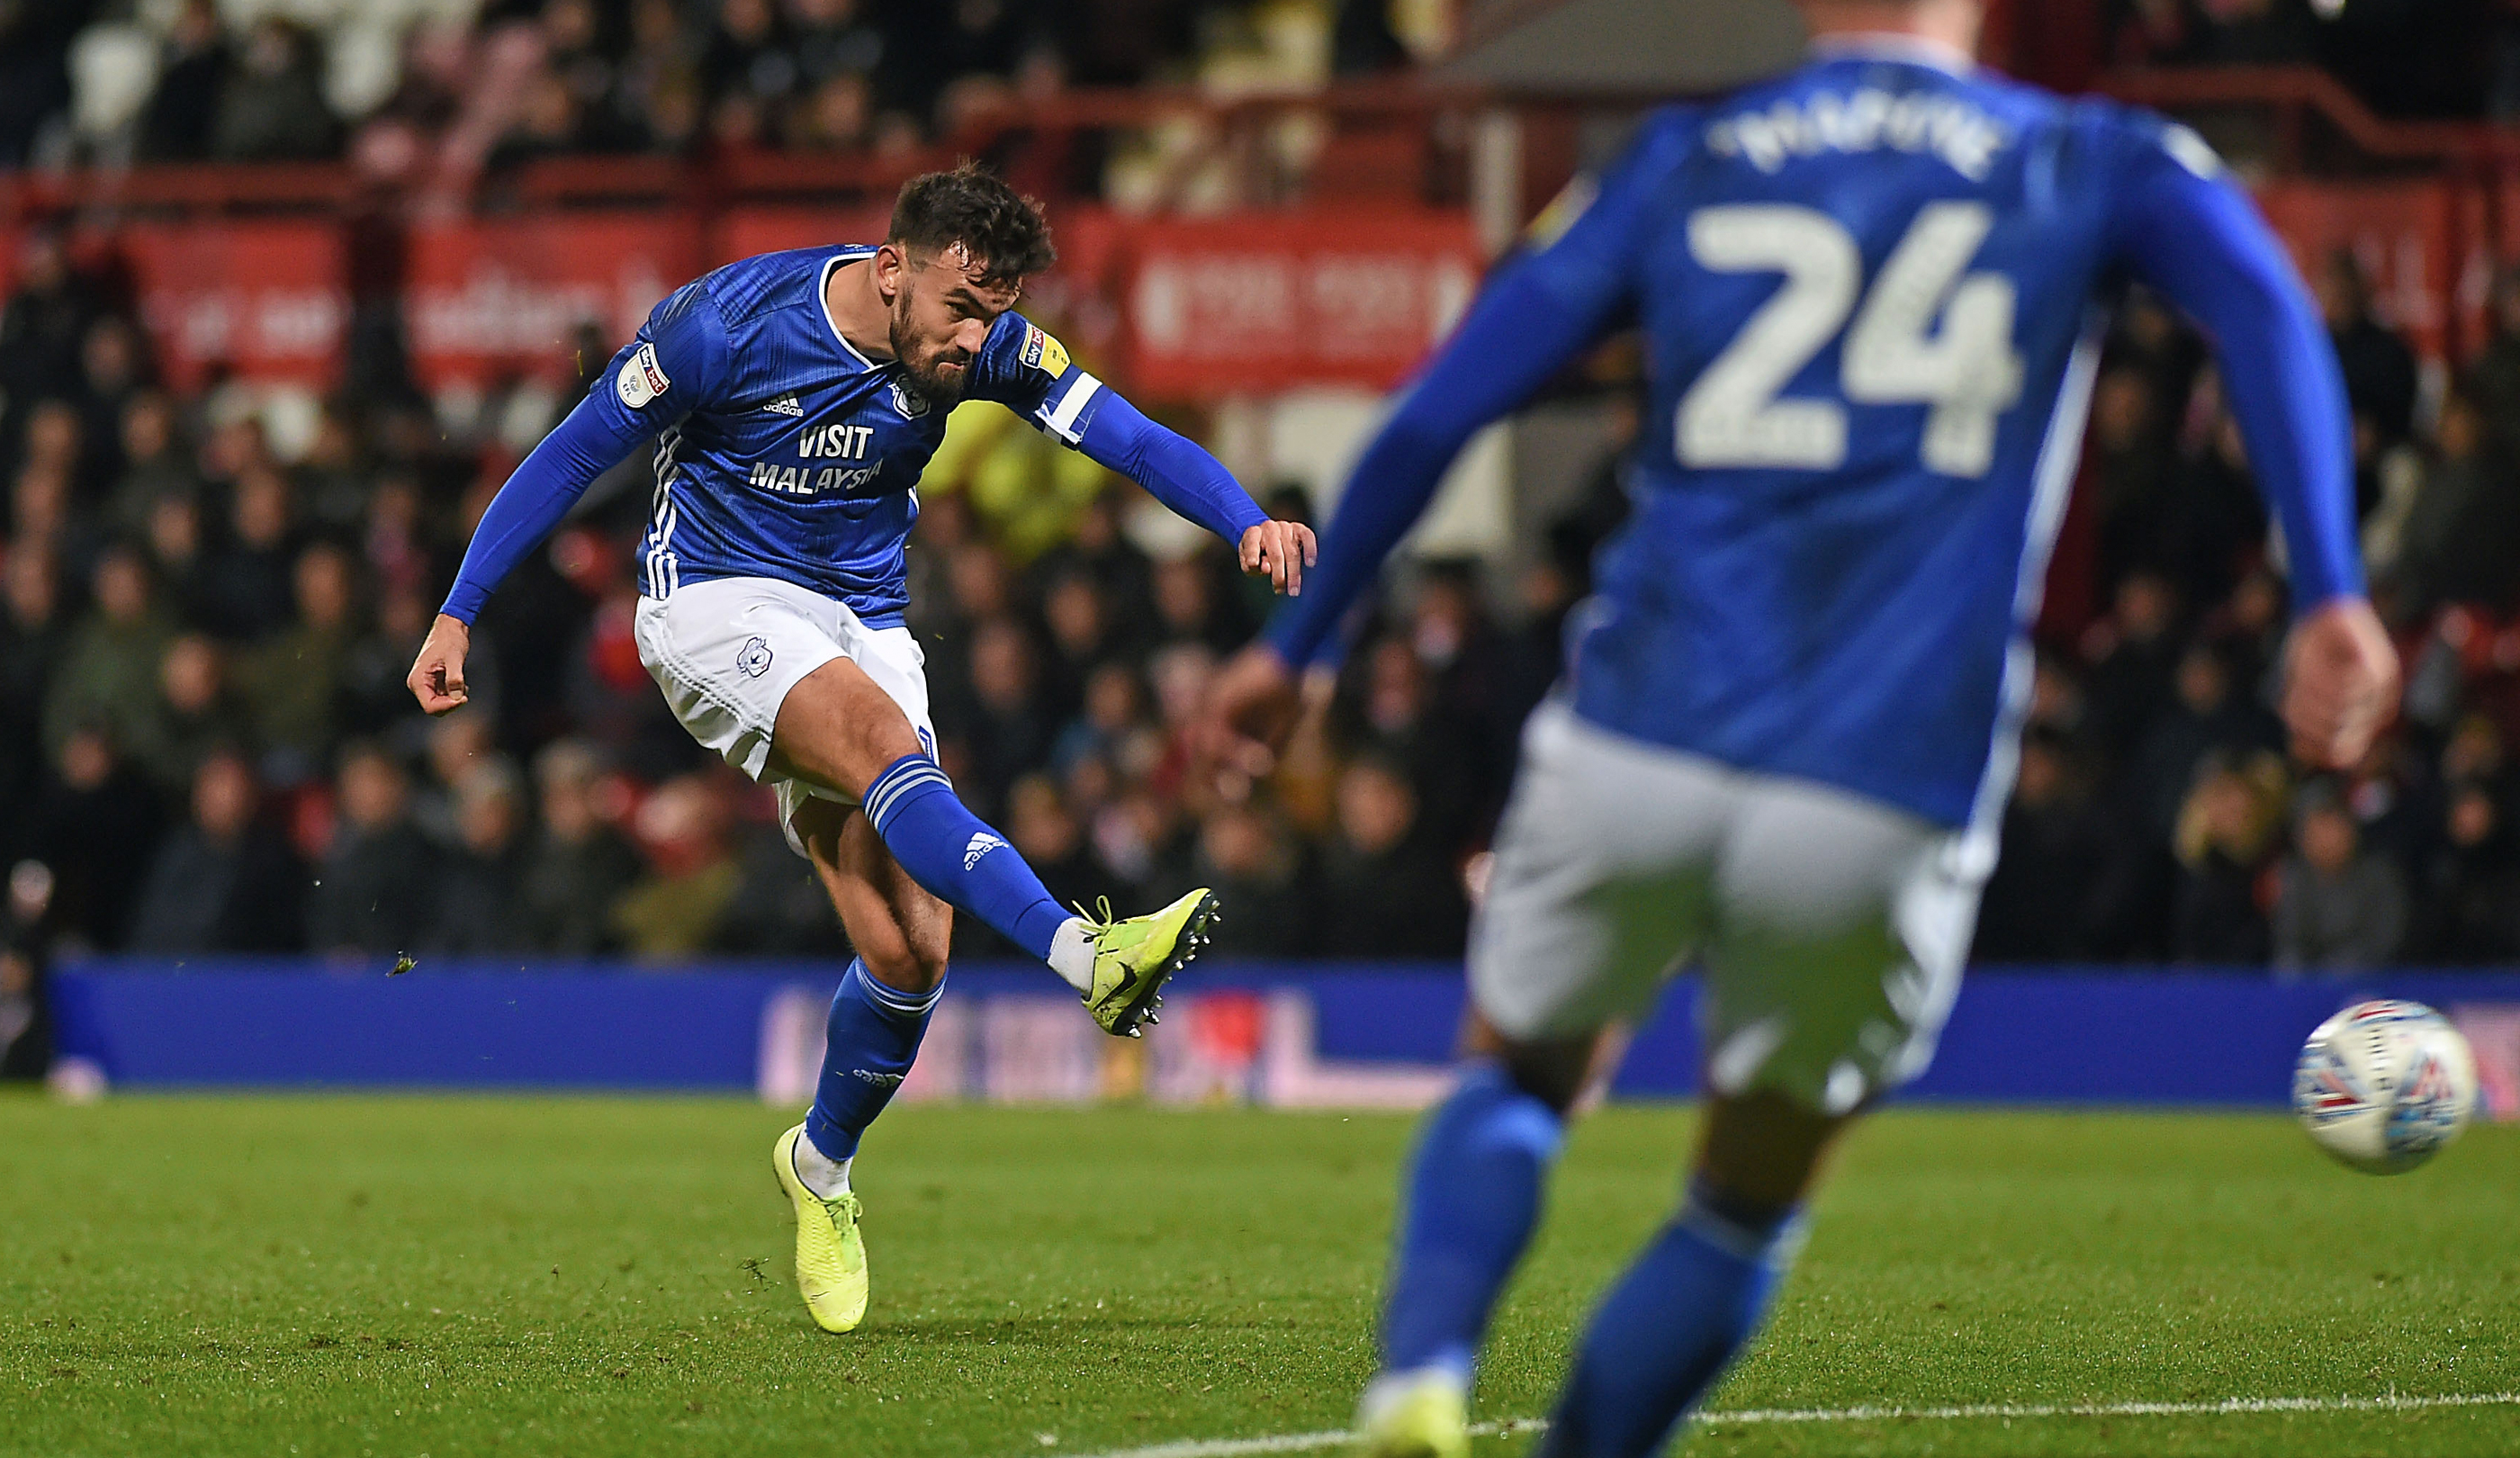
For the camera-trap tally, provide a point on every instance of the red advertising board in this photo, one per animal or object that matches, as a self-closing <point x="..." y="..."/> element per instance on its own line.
<point x="1264" y="303"/>
<point x="264" y="299"/>
<point x="505" y="296"/>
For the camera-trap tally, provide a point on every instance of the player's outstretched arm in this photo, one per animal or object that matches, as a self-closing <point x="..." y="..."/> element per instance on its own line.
<point x="652" y="384"/>
<point x="550" y="481"/>
<point x="1180" y="472"/>
<point x="2186" y="230"/>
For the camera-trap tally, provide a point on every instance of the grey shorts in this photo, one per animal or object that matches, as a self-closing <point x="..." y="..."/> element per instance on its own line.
<point x="1832" y="928"/>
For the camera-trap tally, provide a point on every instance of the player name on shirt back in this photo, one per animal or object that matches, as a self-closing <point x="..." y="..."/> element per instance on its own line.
<point x="1865" y="119"/>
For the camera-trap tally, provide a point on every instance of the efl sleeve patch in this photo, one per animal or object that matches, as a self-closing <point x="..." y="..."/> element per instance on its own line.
<point x="641" y="379"/>
<point x="1044" y="353"/>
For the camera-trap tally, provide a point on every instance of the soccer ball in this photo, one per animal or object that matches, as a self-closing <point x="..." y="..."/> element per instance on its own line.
<point x="2383" y="1085"/>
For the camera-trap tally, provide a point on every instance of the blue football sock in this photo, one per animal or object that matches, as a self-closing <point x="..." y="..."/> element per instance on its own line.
<point x="1473" y="1201"/>
<point x="948" y="850"/>
<point x="1668" y="1330"/>
<point x="869" y="1043"/>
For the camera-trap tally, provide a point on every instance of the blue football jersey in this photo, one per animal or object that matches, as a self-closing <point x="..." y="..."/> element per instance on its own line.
<point x="1871" y="294"/>
<point x="781" y="451"/>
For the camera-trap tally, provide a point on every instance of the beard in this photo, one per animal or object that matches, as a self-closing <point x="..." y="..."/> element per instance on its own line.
<point x="919" y="367"/>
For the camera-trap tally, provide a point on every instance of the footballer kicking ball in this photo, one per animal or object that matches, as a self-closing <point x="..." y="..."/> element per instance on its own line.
<point x="2384" y="1085"/>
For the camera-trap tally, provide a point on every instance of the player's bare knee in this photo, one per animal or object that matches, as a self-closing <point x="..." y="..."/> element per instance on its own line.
<point x="905" y="966"/>
<point x="1552" y="1070"/>
<point x="818" y="823"/>
<point x="1765" y="1148"/>
<point x="908" y="952"/>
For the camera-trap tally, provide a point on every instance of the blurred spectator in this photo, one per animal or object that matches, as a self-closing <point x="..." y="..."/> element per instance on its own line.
<point x="1008" y="732"/>
<point x="31" y="634"/>
<point x="948" y="41"/>
<point x="95" y="825"/>
<point x="224" y="882"/>
<point x="373" y="892"/>
<point x="746" y="60"/>
<point x="293" y="679"/>
<point x="578" y="57"/>
<point x="373" y="699"/>
<point x="25" y="1028"/>
<point x="1387" y="891"/>
<point x="25" y="1012"/>
<point x="2338" y="909"/>
<point x="246" y="587"/>
<point x="2206" y="713"/>
<point x="2468" y="910"/>
<point x="1399" y="721"/>
<point x="108" y="669"/>
<point x="835" y="40"/>
<point x="271" y="99"/>
<point x="34" y="74"/>
<point x="1081" y="635"/>
<point x="837" y="115"/>
<point x="479" y="902"/>
<point x="172" y="532"/>
<point x="183" y="111"/>
<point x="577" y="866"/>
<point x="2226" y="835"/>
<point x="1050" y="838"/>
<point x="1189" y="609"/>
<point x="546" y="124"/>
<point x="2492" y="382"/>
<point x="2380" y="376"/>
<point x="1247" y="856"/>
<point x="2043" y="904"/>
<point x="674" y="910"/>
<point x="2131" y="655"/>
<point x="2459" y="541"/>
<point x="42" y="326"/>
<point x="194" y="715"/>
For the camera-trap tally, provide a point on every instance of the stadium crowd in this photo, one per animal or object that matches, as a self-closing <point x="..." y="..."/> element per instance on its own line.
<point x="464" y="88"/>
<point x="206" y="744"/>
<point x="479" y="86"/>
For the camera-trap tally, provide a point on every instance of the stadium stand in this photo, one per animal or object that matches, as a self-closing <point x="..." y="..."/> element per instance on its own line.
<point x="212" y="590"/>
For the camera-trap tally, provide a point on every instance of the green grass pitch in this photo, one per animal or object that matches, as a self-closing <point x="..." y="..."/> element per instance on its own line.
<point x="387" y="1278"/>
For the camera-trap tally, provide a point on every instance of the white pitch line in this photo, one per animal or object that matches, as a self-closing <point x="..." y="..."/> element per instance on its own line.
<point x="1312" y="1442"/>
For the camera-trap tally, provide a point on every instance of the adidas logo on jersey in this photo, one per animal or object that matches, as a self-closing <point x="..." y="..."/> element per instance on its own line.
<point x="982" y="844"/>
<point x="785" y="405"/>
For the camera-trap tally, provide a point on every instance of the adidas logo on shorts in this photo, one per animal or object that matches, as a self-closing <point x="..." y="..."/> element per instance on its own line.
<point x="982" y="844"/>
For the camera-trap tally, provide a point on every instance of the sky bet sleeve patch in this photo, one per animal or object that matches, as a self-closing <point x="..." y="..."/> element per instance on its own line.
<point x="1044" y="353"/>
<point x="641" y="379"/>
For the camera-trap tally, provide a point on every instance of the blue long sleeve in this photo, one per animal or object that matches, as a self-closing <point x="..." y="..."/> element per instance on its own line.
<point x="549" y="481"/>
<point x="1518" y="335"/>
<point x="2188" y="231"/>
<point x="1174" y="470"/>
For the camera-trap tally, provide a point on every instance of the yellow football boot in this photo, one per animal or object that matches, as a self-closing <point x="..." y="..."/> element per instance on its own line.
<point x="1420" y="1415"/>
<point x="831" y="1259"/>
<point x="1133" y="959"/>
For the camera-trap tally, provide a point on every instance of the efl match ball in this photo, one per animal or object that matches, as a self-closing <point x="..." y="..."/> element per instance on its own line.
<point x="2384" y="1085"/>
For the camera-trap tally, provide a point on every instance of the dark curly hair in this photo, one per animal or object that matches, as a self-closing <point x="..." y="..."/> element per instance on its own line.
<point x="976" y="208"/>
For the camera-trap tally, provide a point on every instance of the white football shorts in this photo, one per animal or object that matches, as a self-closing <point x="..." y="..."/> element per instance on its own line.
<point x="1832" y="928"/>
<point x="726" y="653"/>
